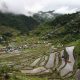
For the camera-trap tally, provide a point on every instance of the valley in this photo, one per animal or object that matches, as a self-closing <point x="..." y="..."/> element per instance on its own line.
<point x="24" y="39"/>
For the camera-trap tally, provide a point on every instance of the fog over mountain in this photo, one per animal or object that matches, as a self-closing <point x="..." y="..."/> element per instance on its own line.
<point x="28" y="7"/>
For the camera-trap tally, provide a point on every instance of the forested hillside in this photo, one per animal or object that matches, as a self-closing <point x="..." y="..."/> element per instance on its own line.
<point x="64" y="28"/>
<point x="19" y="22"/>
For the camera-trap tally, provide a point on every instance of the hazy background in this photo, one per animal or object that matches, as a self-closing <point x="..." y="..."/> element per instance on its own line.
<point x="28" y="7"/>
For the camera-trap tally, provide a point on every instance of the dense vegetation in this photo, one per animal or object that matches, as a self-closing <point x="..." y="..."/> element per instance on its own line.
<point x="20" y="22"/>
<point x="65" y="28"/>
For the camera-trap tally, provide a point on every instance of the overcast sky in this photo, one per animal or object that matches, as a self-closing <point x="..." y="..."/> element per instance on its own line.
<point x="27" y="6"/>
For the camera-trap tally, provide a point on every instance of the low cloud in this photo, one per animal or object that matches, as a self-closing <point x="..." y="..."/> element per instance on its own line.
<point x="28" y="7"/>
<point x="66" y="10"/>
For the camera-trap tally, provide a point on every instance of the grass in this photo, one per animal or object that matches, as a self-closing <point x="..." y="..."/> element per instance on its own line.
<point x="21" y="77"/>
<point x="37" y="48"/>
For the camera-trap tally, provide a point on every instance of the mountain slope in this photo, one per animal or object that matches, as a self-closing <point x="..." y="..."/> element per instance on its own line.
<point x="45" y="16"/>
<point x="64" y="28"/>
<point x="19" y="22"/>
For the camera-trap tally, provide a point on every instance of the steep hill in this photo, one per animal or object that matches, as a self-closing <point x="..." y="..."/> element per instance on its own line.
<point x="19" y="22"/>
<point x="64" y="28"/>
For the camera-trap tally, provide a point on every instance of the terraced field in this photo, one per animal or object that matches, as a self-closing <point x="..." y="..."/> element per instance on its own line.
<point x="21" y="61"/>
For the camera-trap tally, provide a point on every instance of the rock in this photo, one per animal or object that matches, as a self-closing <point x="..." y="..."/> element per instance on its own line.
<point x="27" y="68"/>
<point x="16" y="51"/>
<point x="44" y="42"/>
<point x="50" y="62"/>
<point x="69" y="74"/>
<point x="34" y="71"/>
<point x="69" y="66"/>
<point x="47" y="71"/>
<point x="35" y="62"/>
<point x="56" y="61"/>
<point x="62" y="61"/>
<point x="44" y="61"/>
<point x="78" y="74"/>
<point x="53" y="47"/>
<point x="26" y="46"/>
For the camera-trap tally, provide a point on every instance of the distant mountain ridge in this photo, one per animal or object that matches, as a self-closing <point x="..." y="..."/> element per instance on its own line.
<point x="25" y="23"/>
<point x="45" y="16"/>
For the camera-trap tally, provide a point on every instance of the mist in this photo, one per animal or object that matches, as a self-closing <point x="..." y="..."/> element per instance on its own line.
<point x="29" y="7"/>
